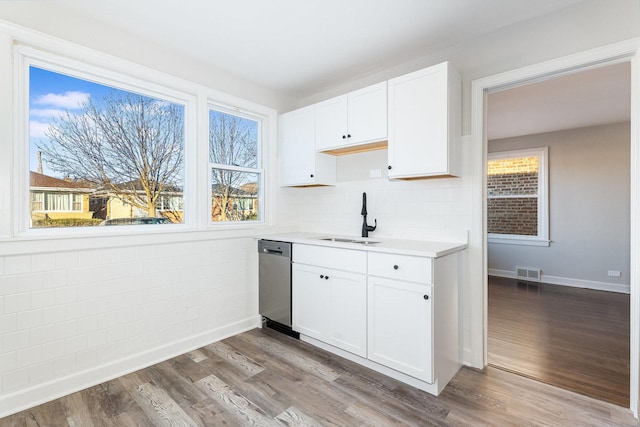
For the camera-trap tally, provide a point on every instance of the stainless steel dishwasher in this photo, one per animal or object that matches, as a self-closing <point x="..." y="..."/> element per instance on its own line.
<point x="275" y="285"/>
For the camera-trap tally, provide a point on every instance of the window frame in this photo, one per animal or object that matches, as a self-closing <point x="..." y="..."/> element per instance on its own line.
<point x="258" y="170"/>
<point x="542" y="237"/>
<point x="27" y="56"/>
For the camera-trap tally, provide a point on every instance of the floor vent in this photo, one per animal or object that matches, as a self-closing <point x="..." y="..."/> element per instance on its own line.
<point x="527" y="273"/>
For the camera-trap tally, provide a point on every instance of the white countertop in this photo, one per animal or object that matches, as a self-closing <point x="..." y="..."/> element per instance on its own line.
<point x="431" y="249"/>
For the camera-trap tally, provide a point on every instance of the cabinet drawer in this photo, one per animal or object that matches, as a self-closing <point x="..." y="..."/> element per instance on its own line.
<point x="401" y="267"/>
<point x="336" y="258"/>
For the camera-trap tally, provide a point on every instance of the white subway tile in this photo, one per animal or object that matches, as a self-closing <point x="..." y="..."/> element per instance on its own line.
<point x="16" y="302"/>
<point x="54" y="349"/>
<point x="29" y="319"/>
<point x="8" y="323"/>
<point x="86" y="358"/>
<point x="87" y="324"/>
<point x="8" y="285"/>
<point x="41" y="372"/>
<point x="15" y="379"/>
<point x="64" y="329"/>
<point x="30" y="282"/>
<point x="64" y="365"/>
<point x="87" y="291"/>
<point x="7" y="362"/>
<point x="15" y="341"/>
<point x="28" y="356"/>
<point x="97" y="338"/>
<point x="66" y="295"/>
<point x="43" y="262"/>
<point x="19" y="264"/>
<point x="55" y="279"/>
<point x="53" y="315"/>
<point x="41" y="335"/>
<point x="76" y="344"/>
<point x="66" y="260"/>
<point x="43" y="299"/>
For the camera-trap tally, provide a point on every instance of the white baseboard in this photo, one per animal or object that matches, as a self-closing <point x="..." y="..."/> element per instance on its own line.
<point x="45" y="392"/>
<point x="565" y="281"/>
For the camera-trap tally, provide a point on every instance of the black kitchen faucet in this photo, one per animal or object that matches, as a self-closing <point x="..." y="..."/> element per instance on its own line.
<point x="365" y="227"/>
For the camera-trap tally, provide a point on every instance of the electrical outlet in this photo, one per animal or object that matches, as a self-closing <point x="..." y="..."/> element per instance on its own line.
<point x="614" y="273"/>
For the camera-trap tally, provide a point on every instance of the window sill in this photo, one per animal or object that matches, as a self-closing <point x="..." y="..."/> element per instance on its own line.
<point x="518" y="241"/>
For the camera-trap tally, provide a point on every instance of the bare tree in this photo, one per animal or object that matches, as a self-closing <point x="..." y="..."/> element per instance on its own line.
<point x="232" y="144"/>
<point x="131" y="145"/>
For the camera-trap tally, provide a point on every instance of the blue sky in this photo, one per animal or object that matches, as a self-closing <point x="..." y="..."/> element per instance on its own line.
<point x="50" y="95"/>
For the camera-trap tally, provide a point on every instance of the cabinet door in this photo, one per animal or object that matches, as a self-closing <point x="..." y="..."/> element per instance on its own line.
<point x="400" y="326"/>
<point x="310" y="299"/>
<point x="367" y="114"/>
<point x="298" y="150"/>
<point x="301" y="164"/>
<point x="418" y="128"/>
<point x="331" y="306"/>
<point x="331" y="123"/>
<point x="348" y="311"/>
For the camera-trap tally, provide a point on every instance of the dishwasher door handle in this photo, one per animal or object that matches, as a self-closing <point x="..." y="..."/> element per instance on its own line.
<point x="272" y="251"/>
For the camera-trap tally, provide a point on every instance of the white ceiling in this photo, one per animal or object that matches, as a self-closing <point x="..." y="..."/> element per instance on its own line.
<point x="594" y="97"/>
<point x="302" y="47"/>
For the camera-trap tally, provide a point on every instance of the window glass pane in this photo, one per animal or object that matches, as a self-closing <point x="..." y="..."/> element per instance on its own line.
<point x="235" y="175"/>
<point x="513" y="176"/>
<point x="233" y="140"/>
<point x="512" y="189"/>
<point x="513" y="215"/>
<point x="234" y="195"/>
<point x="118" y="150"/>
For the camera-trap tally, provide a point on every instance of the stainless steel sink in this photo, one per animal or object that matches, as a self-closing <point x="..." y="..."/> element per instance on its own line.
<point x="346" y="240"/>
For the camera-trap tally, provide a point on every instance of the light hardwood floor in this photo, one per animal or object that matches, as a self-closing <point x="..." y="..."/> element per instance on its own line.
<point x="264" y="378"/>
<point x="573" y="338"/>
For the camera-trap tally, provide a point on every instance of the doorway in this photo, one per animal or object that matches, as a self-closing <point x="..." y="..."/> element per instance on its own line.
<point x="477" y="289"/>
<point x="558" y="155"/>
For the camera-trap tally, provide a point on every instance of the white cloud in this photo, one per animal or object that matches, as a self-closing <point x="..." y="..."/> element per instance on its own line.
<point x="37" y="129"/>
<point x="71" y="99"/>
<point x="46" y="113"/>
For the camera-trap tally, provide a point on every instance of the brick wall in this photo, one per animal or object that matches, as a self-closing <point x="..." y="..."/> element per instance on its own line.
<point x="512" y="215"/>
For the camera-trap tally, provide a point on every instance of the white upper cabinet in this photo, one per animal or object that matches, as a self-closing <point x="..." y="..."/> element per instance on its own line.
<point x="425" y="123"/>
<point x="301" y="164"/>
<point x="354" y="119"/>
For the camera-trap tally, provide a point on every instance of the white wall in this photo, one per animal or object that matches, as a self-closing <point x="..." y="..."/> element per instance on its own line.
<point x="589" y="179"/>
<point x="55" y="19"/>
<point x="420" y="209"/>
<point x="77" y="310"/>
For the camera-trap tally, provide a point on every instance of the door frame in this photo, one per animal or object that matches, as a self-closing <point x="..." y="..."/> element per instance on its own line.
<point x="477" y="289"/>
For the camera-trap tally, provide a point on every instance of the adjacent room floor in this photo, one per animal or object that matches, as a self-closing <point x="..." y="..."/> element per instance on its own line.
<point x="573" y="338"/>
<point x="264" y="378"/>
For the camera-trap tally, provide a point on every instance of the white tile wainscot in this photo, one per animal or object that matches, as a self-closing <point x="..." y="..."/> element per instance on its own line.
<point x="390" y="305"/>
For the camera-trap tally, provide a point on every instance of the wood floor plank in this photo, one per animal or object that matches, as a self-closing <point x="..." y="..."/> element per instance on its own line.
<point x="573" y="338"/>
<point x="293" y="416"/>
<point x="300" y="385"/>
<point x="160" y="408"/>
<point x="246" y="410"/>
<point x="236" y="358"/>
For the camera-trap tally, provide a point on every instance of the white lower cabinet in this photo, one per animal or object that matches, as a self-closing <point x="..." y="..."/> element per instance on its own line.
<point x="330" y="305"/>
<point x="400" y="326"/>
<point x="396" y="313"/>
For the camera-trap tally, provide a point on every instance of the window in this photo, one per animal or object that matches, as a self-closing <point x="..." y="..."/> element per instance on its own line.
<point x="123" y="149"/>
<point x="234" y="165"/>
<point x="517" y="201"/>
